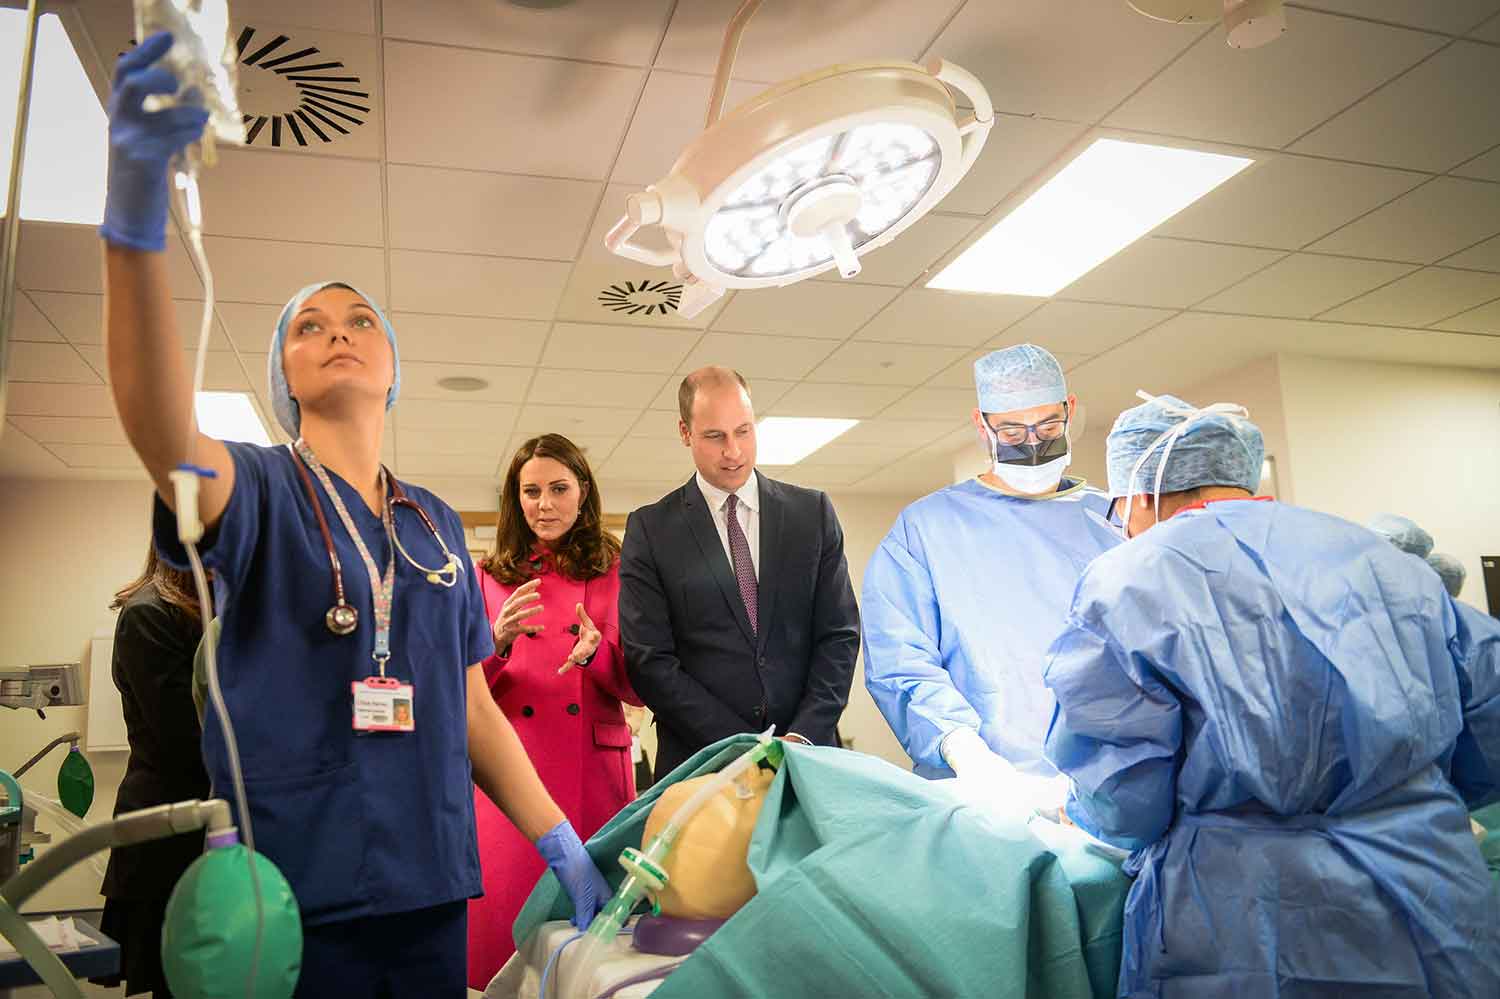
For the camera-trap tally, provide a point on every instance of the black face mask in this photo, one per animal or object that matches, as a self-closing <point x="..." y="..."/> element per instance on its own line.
<point x="1029" y="454"/>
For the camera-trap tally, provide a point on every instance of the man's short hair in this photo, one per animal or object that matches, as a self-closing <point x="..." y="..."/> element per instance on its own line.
<point x="705" y="378"/>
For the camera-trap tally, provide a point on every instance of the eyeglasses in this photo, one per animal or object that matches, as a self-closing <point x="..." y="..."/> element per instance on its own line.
<point x="1014" y="434"/>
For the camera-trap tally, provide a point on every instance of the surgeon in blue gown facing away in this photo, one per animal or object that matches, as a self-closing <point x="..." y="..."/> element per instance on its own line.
<point x="968" y="589"/>
<point x="1287" y="719"/>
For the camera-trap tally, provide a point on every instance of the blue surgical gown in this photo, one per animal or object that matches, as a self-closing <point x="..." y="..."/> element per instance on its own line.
<point x="959" y="604"/>
<point x="1287" y="719"/>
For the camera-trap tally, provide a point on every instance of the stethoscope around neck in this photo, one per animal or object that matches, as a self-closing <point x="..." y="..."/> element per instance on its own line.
<point x="343" y="618"/>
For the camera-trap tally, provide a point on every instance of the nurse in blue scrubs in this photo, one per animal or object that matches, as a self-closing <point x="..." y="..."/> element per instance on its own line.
<point x="341" y="593"/>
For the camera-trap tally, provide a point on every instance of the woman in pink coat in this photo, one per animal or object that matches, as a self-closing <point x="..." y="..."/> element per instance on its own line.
<point x="551" y="585"/>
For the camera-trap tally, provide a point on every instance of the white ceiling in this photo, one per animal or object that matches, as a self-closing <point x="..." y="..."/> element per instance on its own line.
<point x="486" y="148"/>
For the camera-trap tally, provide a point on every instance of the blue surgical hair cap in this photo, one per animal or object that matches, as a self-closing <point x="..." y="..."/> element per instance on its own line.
<point x="1215" y="446"/>
<point x="1450" y="570"/>
<point x="1402" y="532"/>
<point x="288" y="413"/>
<point x="1018" y="377"/>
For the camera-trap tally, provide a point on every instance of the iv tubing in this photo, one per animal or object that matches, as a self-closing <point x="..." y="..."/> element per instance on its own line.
<point x="187" y="182"/>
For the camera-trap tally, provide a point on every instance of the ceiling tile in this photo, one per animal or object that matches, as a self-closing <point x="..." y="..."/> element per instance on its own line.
<point x="328" y="15"/>
<point x="620" y="31"/>
<point x="811" y="309"/>
<point x="655" y="472"/>
<point x="858" y="402"/>
<point x="575" y="421"/>
<point x="617" y="348"/>
<point x="866" y="363"/>
<point x="32" y="399"/>
<point x="419" y="380"/>
<point x="1271" y="95"/>
<point x="1304" y="284"/>
<point x="757" y="356"/>
<point x="1437" y="219"/>
<point x="960" y="374"/>
<point x="273" y="195"/>
<point x="572" y="387"/>
<point x="1017" y="150"/>
<point x="424" y="463"/>
<point x="458" y="284"/>
<point x="464" y="211"/>
<point x="1168" y="273"/>
<point x="257" y="270"/>
<point x="928" y="403"/>
<point x="1311" y="197"/>
<point x="575" y="112"/>
<point x="1069" y="59"/>
<point x="786" y="39"/>
<point x="594" y="446"/>
<point x="30" y="323"/>
<point x="23" y="458"/>
<point x="478" y="440"/>
<point x="1427" y="296"/>
<point x="1486" y="167"/>
<point x="81" y="318"/>
<point x="452" y="414"/>
<point x="839" y="453"/>
<point x="221" y="370"/>
<point x="251" y="327"/>
<point x="1482" y="257"/>
<point x="926" y="315"/>
<point x="1485" y="319"/>
<point x="1452" y="17"/>
<point x="913" y="433"/>
<point x="910" y="254"/>
<point x="670" y="116"/>
<point x="49" y="362"/>
<point x="1397" y="125"/>
<point x="57" y="257"/>
<point x="1489" y="31"/>
<point x="71" y="430"/>
<point x="1080" y="328"/>
<point x="467" y="339"/>
<point x="764" y="393"/>
<point x="654" y="453"/>
<point x="96" y="455"/>
<point x="812" y="474"/>
<point x="600" y="273"/>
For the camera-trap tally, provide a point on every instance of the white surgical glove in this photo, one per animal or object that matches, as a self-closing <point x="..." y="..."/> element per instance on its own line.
<point x="987" y="776"/>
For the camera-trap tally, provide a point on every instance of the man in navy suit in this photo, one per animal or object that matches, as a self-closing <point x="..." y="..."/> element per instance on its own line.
<point x="736" y="610"/>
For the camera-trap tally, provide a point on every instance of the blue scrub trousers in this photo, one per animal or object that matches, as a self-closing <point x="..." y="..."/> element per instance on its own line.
<point x="405" y="955"/>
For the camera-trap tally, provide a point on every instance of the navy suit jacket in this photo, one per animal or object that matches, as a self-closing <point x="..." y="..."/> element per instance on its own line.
<point x="689" y="648"/>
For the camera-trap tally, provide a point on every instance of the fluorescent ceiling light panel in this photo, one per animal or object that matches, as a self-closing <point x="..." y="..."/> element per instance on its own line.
<point x="67" y="140"/>
<point x="230" y="416"/>
<point x="786" y="440"/>
<point x="1109" y="196"/>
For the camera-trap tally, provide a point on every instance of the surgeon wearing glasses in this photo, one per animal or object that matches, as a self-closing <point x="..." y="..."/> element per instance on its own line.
<point x="353" y="627"/>
<point x="971" y="585"/>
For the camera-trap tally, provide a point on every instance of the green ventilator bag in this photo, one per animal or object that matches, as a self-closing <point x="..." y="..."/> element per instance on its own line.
<point x="208" y="938"/>
<point x="75" y="783"/>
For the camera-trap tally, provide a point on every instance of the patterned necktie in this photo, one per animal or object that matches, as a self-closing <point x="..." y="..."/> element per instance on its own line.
<point x="744" y="568"/>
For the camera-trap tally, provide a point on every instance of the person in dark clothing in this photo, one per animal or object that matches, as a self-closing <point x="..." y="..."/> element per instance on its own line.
<point x="155" y="638"/>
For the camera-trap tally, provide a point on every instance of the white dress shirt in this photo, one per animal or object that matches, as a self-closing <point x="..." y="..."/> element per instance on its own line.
<point x="747" y="510"/>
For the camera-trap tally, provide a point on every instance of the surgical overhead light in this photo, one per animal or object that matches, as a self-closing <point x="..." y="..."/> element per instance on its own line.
<point x="1248" y="24"/>
<point x="809" y="175"/>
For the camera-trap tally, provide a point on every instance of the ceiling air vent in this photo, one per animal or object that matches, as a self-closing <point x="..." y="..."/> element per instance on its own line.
<point x="298" y="95"/>
<point x="642" y="298"/>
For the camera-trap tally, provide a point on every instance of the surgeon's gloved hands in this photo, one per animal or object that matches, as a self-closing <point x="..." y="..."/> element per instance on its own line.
<point x="563" y="851"/>
<point x="142" y="144"/>
<point x="987" y="776"/>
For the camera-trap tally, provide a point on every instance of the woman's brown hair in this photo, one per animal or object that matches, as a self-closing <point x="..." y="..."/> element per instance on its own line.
<point x="174" y="586"/>
<point x="587" y="551"/>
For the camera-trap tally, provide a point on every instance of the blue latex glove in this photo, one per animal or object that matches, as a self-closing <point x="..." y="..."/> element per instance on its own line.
<point x="563" y="851"/>
<point x="141" y="144"/>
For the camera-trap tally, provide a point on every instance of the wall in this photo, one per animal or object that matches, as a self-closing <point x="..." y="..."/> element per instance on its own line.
<point x="1258" y="387"/>
<point x="68" y="546"/>
<point x="1423" y="442"/>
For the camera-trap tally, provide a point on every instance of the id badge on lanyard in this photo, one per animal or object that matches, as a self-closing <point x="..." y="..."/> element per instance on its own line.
<point x="383" y="704"/>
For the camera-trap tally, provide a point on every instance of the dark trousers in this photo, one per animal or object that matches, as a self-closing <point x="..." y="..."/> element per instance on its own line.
<point x="407" y="955"/>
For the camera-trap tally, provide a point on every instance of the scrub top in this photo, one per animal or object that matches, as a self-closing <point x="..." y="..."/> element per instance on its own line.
<point x="959" y="604"/>
<point x="361" y="824"/>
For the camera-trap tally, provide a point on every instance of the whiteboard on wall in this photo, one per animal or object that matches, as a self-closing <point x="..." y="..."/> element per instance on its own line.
<point x="106" y="715"/>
